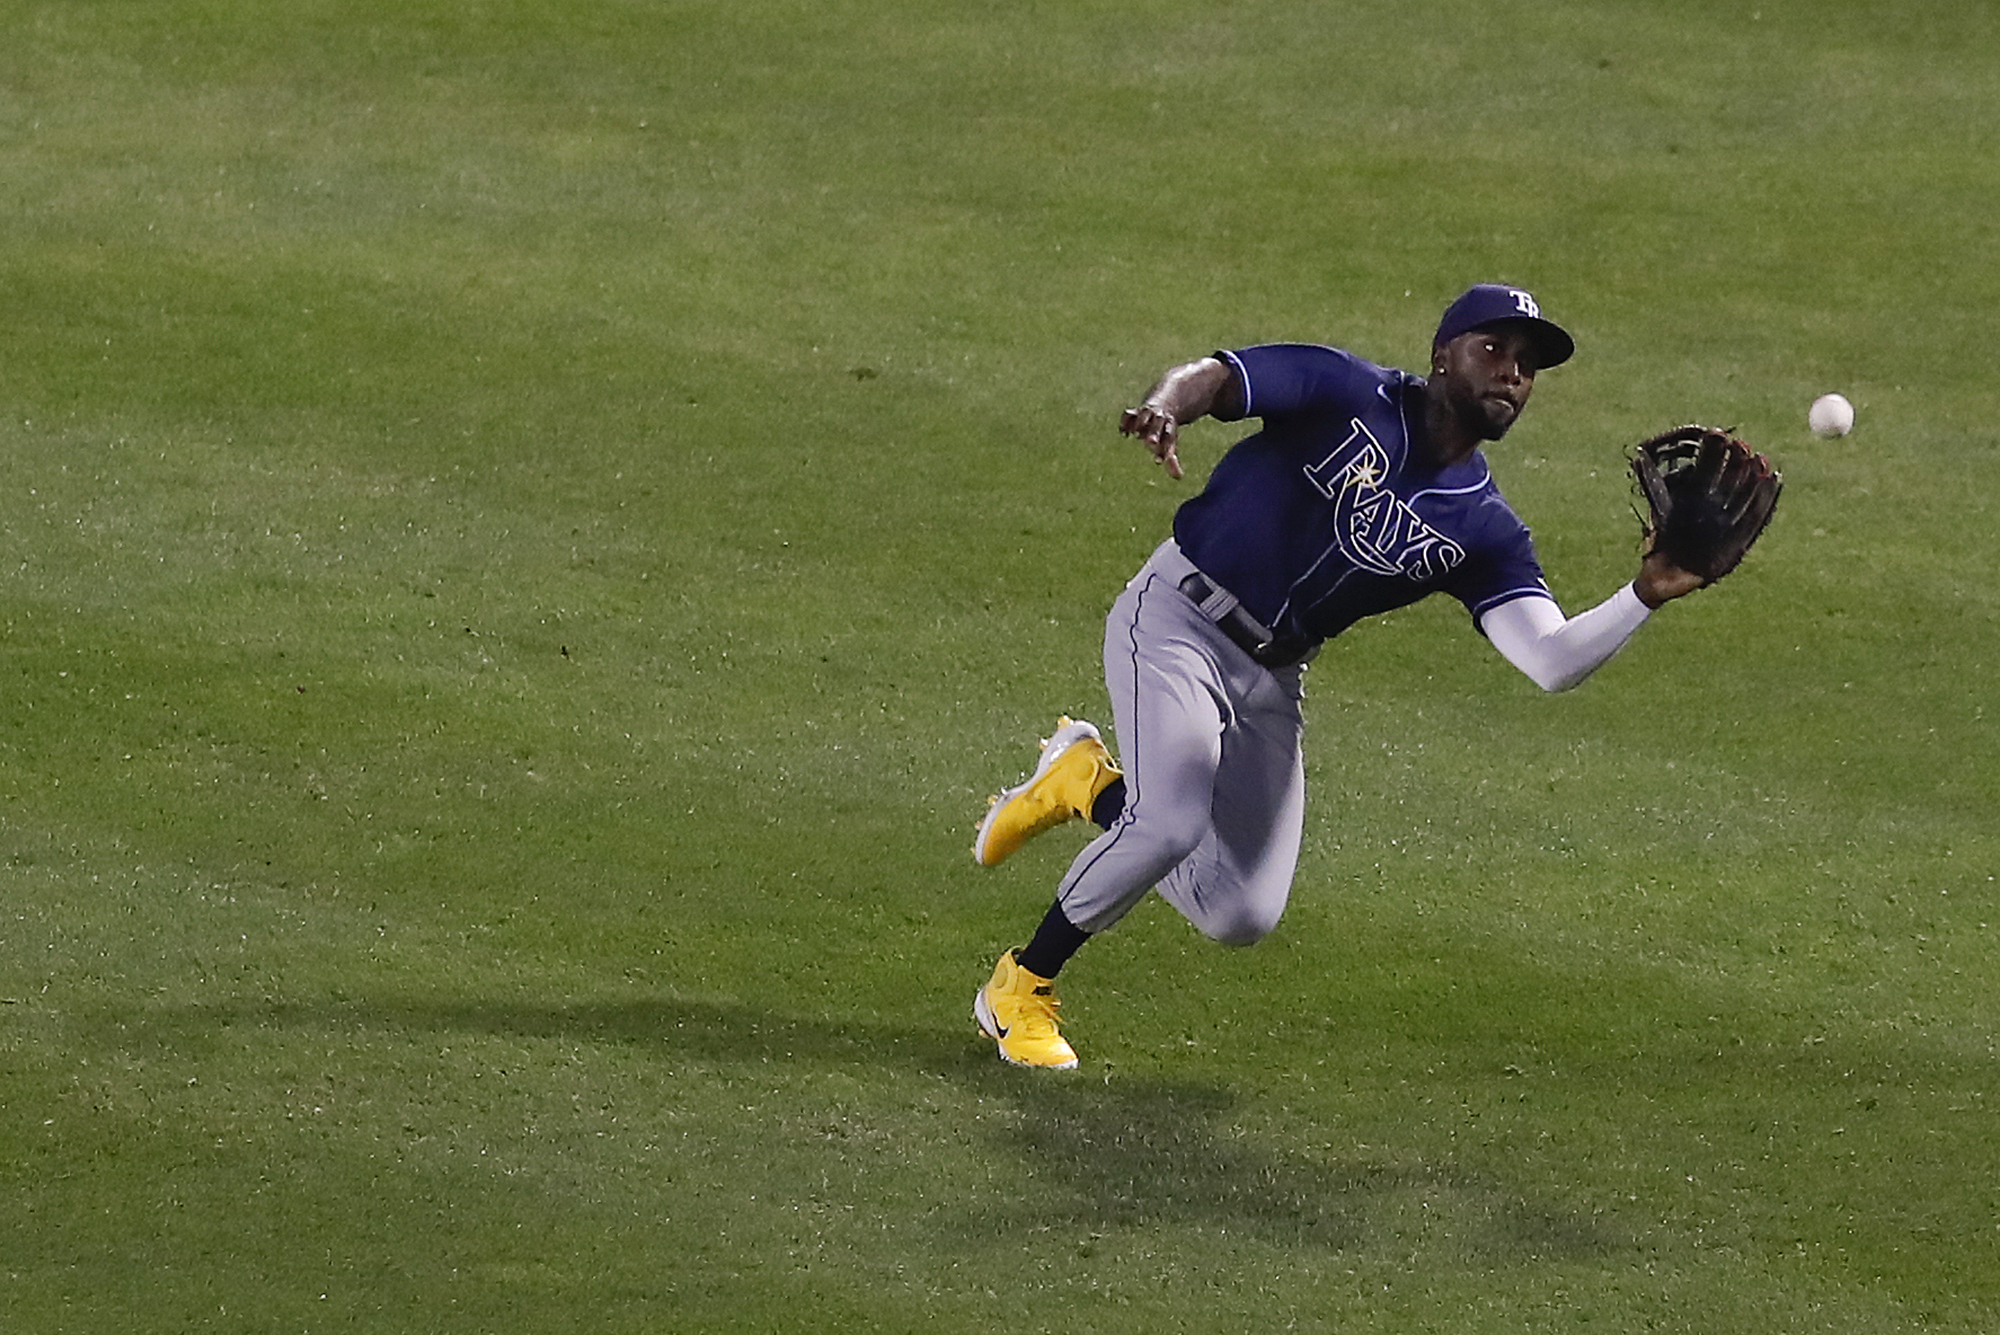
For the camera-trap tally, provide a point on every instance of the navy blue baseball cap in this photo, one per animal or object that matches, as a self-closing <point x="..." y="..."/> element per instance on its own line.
<point x="1490" y="303"/>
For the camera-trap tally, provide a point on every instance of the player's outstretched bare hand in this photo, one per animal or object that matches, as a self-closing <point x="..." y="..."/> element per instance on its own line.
<point x="1160" y="432"/>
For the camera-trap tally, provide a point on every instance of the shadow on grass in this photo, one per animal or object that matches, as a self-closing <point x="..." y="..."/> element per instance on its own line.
<point x="1090" y="1154"/>
<point x="1146" y="1152"/>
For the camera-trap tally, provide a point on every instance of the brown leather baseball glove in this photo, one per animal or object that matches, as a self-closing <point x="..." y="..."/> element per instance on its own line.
<point x="1708" y="496"/>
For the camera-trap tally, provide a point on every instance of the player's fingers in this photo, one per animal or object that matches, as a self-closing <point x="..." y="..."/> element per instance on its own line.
<point x="1150" y="420"/>
<point x="1147" y="423"/>
<point x="1172" y="463"/>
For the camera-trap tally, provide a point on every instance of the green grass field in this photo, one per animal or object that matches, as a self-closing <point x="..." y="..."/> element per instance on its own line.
<point x="531" y="528"/>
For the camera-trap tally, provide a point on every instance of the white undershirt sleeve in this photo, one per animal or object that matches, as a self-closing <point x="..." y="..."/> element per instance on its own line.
<point x="1557" y="652"/>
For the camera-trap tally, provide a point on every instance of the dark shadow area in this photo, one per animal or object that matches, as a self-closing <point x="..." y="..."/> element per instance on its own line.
<point x="1093" y="1154"/>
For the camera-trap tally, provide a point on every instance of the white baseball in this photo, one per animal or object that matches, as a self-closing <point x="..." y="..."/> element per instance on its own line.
<point x="1830" y="416"/>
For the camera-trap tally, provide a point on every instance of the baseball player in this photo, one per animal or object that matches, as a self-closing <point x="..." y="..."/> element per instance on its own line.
<point x="1365" y="490"/>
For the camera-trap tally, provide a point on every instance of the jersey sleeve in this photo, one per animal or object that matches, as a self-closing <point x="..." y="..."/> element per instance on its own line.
<point x="1280" y="379"/>
<point x="1502" y="564"/>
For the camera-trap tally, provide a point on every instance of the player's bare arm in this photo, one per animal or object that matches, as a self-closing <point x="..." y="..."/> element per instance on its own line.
<point x="1189" y="391"/>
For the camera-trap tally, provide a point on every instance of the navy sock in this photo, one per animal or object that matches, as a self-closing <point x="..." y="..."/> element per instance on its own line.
<point x="1055" y="941"/>
<point x="1110" y="804"/>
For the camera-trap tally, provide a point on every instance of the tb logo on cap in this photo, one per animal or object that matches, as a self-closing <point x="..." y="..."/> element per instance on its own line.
<point x="1526" y="304"/>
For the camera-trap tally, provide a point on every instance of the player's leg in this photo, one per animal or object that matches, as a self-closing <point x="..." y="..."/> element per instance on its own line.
<point x="1213" y="816"/>
<point x="1160" y="657"/>
<point x="1234" y="887"/>
<point x="1169" y="706"/>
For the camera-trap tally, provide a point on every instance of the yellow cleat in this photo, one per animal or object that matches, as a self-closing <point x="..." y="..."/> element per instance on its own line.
<point x="1017" y="1010"/>
<point x="1075" y="767"/>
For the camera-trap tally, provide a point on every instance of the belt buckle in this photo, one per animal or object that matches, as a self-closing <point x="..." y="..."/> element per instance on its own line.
<point x="1284" y="651"/>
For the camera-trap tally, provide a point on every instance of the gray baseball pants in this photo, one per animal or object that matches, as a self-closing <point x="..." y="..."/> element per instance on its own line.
<point x="1214" y="775"/>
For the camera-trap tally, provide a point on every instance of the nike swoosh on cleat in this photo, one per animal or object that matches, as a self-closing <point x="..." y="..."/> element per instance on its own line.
<point x="984" y="1014"/>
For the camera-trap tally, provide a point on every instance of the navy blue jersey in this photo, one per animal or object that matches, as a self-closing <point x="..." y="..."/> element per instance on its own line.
<point x="1327" y="515"/>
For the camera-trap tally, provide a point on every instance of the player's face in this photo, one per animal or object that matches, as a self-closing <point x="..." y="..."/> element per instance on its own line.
<point x="1488" y="375"/>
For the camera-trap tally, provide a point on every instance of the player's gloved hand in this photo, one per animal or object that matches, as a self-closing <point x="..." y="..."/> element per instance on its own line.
<point x="1660" y="581"/>
<point x="1707" y="497"/>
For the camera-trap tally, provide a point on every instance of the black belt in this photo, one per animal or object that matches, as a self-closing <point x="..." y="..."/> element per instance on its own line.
<point x="1249" y="634"/>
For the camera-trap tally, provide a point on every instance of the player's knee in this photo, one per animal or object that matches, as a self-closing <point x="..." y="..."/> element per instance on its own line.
<point x="1162" y="843"/>
<point x="1243" y="924"/>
